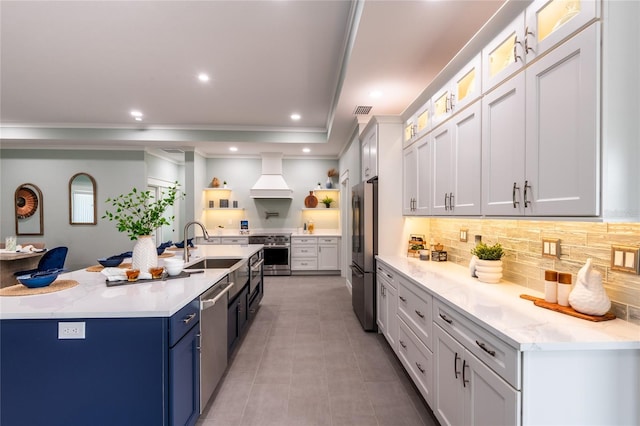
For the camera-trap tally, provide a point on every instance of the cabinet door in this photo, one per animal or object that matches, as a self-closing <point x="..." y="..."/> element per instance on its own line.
<point x="370" y="154"/>
<point x="409" y="180"/>
<point x="489" y="400"/>
<point x="503" y="148"/>
<point x="423" y="173"/>
<point x="562" y="132"/>
<point x="366" y="168"/>
<point x="423" y="120"/>
<point x="184" y="380"/>
<point x="328" y="258"/>
<point x="550" y="22"/>
<point x="503" y="56"/>
<point x="448" y="390"/>
<point x="381" y="306"/>
<point x="466" y="84"/>
<point x="391" y="331"/>
<point x="441" y="102"/>
<point x="409" y="131"/>
<point x="466" y="134"/>
<point x="442" y="160"/>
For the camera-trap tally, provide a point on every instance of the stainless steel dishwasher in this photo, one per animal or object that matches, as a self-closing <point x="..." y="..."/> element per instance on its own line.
<point x="213" y="337"/>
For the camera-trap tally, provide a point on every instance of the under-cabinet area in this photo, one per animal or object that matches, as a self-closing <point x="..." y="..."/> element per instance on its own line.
<point x="479" y="354"/>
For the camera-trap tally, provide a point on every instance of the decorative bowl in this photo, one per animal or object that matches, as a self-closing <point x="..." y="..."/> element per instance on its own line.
<point x="110" y="262"/>
<point x="173" y="266"/>
<point x="39" y="279"/>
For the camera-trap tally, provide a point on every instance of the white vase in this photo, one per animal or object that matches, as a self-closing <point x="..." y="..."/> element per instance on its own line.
<point x="145" y="254"/>
<point x="489" y="271"/>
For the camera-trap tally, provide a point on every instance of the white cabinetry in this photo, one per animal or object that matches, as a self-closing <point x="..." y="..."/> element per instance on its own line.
<point x="387" y="304"/>
<point x="370" y="153"/>
<point x="455" y="155"/>
<point x="328" y="254"/>
<point x="416" y="180"/>
<point x="459" y="92"/>
<point x="539" y="136"/>
<point x="234" y="240"/>
<point x="315" y="253"/>
<point x="418" y="125"/>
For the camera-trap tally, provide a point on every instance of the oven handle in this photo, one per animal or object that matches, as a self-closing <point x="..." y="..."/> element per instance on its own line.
<point x="256" y="267"/>
<point x="209" y="303"/>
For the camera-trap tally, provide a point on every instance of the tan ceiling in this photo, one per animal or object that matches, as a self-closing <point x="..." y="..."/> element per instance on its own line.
<point x="70" y="72"/>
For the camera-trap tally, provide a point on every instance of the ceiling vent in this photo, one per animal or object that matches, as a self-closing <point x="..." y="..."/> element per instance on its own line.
<point x="362" y="110"/>
<point x="271" y="183"/>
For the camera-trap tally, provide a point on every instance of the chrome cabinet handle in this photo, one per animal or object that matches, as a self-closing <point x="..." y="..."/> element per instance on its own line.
<point x="453" y="96"/>
<point x="526" y="186"/>
<point x="188" y="318"/>
<point x="445" y="319"/>
<point x="464" y="379"/>
<point x="455" y="365"/>
<point x="527" y="33"/>
<point x="422" y="370"/>
<point x="403" y="344"/>
<point x="446" y="201"/>
<point x="484" y="348"/>
<point x="513" y="195"/>
<point x="420" y="314"/>
<point x="402" y="298"/>
<point x="515" y="50"/>
<point x="451" y="201"/>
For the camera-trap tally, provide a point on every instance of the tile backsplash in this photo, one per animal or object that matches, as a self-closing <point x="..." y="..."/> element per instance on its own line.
<point x="524" y="264"/>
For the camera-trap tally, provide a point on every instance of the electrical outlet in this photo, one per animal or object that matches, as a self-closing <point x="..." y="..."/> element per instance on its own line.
<point x="463" y="235"/>
<point x="71" y="330"/>
<point x="625" y="259"/>
<point x="551" y="248"/>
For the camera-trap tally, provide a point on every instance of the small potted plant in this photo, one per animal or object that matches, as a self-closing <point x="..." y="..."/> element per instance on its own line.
<point x="327" y="201"/>
<point x="488" y="265"/>
<point x="139" y="214"/>
<point x="224" y="184"/>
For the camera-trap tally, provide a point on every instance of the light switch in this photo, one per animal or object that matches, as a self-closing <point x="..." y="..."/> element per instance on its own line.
<point x="550" y="248"/>
<point x="625" y="259"/>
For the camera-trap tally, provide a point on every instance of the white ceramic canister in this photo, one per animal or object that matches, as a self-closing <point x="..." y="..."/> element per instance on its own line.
<point x="551" y="286"/>
<point x="564" y="288"/>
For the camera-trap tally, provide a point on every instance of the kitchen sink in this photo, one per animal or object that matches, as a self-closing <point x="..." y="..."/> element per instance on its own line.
<point x="213" y="264"/>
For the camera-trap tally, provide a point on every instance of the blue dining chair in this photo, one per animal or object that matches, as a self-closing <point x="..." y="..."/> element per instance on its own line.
<point x="51" y="259"/>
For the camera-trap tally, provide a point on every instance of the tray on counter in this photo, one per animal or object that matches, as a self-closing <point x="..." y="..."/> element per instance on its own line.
<point x="567" y="310"/>
<point x="183" y="274"/>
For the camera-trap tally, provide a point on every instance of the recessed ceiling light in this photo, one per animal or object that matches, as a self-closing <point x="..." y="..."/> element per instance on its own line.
<point x="136" y="113"/>
<point x="203" y="77"/>
<point x="306" y="150"/>
<point x="233" y="148"/>
<point x="375" y="94"/>
<point x="138" y="118"/>
<point x="295" y="117"/>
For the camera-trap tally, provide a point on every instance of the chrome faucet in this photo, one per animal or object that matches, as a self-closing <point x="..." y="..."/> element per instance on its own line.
<point x="186" y="237"/>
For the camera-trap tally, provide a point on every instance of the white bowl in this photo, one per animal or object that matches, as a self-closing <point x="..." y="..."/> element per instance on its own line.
<point x="173" y="266"/>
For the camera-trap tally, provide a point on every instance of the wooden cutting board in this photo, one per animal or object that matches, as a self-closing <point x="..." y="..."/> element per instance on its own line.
<point x="568" y="310"/>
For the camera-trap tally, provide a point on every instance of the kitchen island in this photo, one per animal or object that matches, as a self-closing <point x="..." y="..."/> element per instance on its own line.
<point x="98" y="355"/>
<point x="486" y="356"/>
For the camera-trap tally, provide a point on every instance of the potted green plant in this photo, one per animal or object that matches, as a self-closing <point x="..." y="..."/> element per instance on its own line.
<point x="327" y="201"/>
<point x="139" y="214"/>
<point x="487" y="262"/>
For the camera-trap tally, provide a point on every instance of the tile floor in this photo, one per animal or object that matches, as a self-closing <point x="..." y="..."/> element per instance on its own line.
<point x="306" y="361"/>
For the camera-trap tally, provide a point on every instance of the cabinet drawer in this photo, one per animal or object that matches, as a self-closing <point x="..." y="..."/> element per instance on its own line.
<point x="234" y="240"/>
<point x="303" y="240"/>
<point x="496" y="354"/>
<point x="415" y="307"/>
<point x="386" y="274"/>
<point x="417" y="360"/>
<point x="328" y="240"/>
<point x="183" y="320"/>
<point x="302" y="264"/>
<point x="304" y="251"/>
<point x="212" y="240"/>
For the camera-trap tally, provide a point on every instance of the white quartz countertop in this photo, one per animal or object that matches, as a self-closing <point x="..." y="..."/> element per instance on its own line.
<point x="499" y="308"/>
<point x="91" y="298"/>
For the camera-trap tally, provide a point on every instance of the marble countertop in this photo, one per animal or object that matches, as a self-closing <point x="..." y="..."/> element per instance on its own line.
<point x="91" y="298"/>
<point x="499" y="308"/>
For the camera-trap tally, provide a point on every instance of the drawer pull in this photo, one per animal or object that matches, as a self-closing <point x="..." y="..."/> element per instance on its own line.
<point x="422" y="370"/>
<point x="484" y="348"/>
<point x="403" y="344"/>
<point x="402" y="298"/>
<point x="455" y="365"/>
<point x="464" y="379"/>
<point x="188" y="318"/>
<point x="445" y="319"/>
<point x="420" y="314"/>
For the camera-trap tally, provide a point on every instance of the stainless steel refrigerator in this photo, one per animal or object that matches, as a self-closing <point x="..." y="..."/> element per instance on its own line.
<point x="364" y="243"/>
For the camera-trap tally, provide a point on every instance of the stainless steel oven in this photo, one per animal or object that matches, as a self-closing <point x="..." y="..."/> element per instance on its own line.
<point x="256" y="263"/>
<point x="276" y="253"/>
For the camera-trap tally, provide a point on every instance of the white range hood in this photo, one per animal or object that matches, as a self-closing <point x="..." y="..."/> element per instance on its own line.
<point x="271" y="183"/>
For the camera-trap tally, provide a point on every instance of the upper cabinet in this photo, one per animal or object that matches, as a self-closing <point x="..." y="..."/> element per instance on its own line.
<point x="370" y="153"/>
<point x="416" y="178"/>
<point x="459" y="92"/>
<point x="543" y="25"/>
<point x="418" y="125"/>
<point x="540" y="139"/>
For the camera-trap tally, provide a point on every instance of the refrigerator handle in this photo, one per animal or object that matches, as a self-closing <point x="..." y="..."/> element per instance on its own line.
<point x="356" y="271"/>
